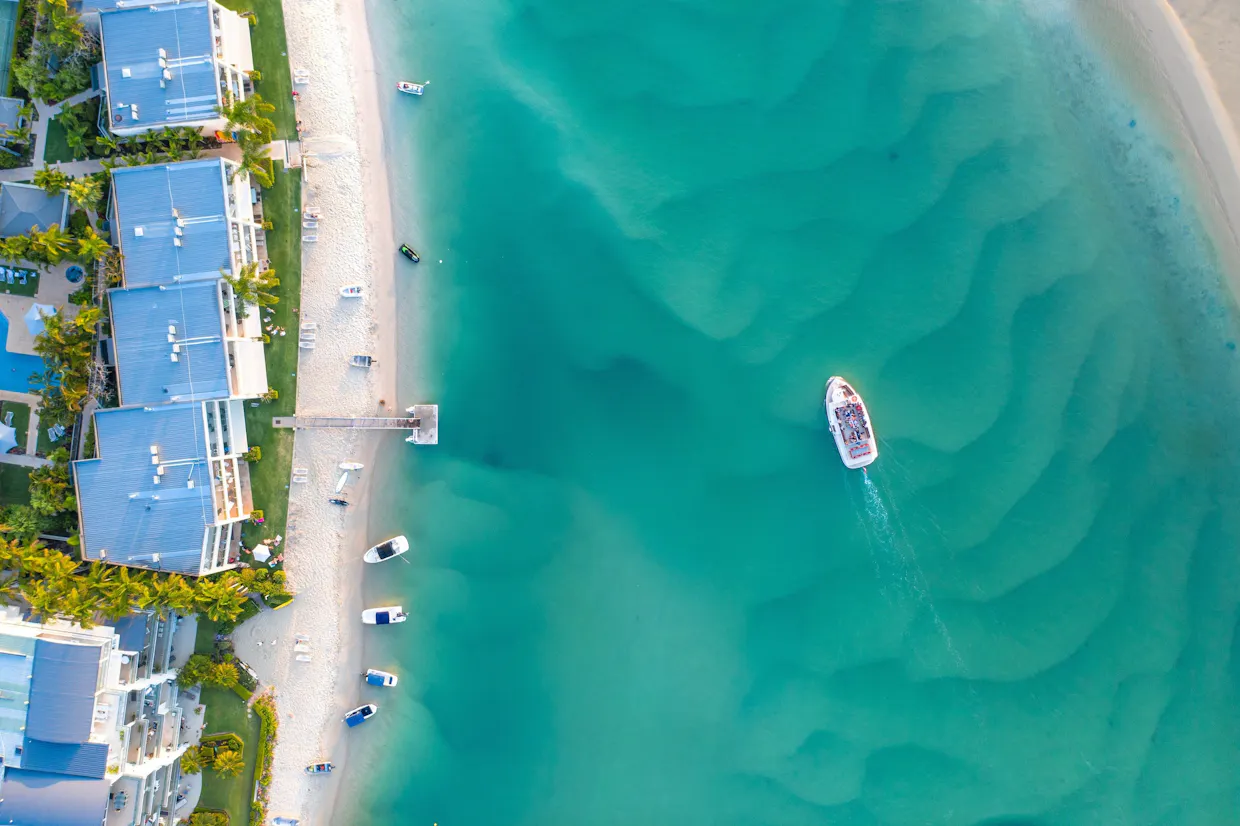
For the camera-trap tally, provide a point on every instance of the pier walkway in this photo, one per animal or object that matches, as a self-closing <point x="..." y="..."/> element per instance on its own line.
<point x="422" y="421"/>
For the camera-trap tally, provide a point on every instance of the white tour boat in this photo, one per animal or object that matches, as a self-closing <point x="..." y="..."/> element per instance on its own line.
<point x="384" y="551"/>
<point x="384" y="616"/>
<point x="410" y="88"/>
<point x="850" y="424"/>
<point x="374" y="676"/>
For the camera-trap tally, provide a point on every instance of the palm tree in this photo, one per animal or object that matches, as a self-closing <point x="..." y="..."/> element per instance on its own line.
<point x="107" y="143"/>
<point x="229" y="763"/>
<point x="91" y="247"/>
<point x="218" y="599"/>
<point x="250" y="115"/>
<point x="253" y="162"/>
<point x="50" y="180"/>
<point x="191" y="761"/>
<point x="85" y="192"/>
<point x="55" y="242"/>
<point x="251" y="287"/>
<point x="14" y="248"/>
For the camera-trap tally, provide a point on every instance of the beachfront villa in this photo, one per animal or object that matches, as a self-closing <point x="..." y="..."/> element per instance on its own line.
<point x="184" y="343"/>
<point x="183" y="221"/>
<point x="171" y="64"/>
<point x="90" y="726"/>
<point x="168" y="489"/>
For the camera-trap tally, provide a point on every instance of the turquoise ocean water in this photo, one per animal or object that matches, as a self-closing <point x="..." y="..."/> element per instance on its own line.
<point x="644" y="590"/>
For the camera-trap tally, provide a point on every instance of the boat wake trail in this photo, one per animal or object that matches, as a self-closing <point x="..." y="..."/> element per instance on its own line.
<point x="900" y="577"/>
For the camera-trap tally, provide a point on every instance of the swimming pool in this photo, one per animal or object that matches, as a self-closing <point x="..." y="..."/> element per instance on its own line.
<point x="15" y="368"/>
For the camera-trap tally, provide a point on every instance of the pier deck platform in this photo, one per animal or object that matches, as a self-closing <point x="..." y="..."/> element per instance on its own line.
<point x="422" y="421"/>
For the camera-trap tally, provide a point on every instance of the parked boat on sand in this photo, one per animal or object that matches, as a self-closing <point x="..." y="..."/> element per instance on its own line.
<point x="320" y="768"/>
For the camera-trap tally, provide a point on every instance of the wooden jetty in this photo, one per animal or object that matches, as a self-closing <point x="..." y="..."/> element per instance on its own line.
<point x="422" y="420"/>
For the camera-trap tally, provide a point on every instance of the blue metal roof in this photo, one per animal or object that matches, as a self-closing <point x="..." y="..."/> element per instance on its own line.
<point x="123" y="511"/>
<point x="132" y="40"/>
<point x="32" y="798"/>
<point x="132" y="631"/>
<point x="78" y="759"/>
<point x="141" y="324"/>
<point x="23" y="206"/>
<point x="62" y="691"/>
<point x="146" y="197"/>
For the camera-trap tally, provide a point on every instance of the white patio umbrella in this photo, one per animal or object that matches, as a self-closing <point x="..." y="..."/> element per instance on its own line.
<point x="261" y="552"/>
<point x="34" y="317"/>
<point x="8" y="438"/>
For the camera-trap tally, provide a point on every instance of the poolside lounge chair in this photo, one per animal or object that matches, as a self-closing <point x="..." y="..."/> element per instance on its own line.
<point x="8" y="276"/>
<point x="8" y="419"/>
<point x="21" y="278"/>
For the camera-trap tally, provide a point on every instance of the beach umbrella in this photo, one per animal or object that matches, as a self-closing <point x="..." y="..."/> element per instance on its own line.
<point x="8" y="438"/>
<point x="262" y="553"/>
<point x="34" y="317"/>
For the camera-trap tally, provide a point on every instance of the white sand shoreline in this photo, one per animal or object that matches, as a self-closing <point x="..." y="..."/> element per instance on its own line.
<point x="340" y="116"/>
<point x="1205" y="115"/>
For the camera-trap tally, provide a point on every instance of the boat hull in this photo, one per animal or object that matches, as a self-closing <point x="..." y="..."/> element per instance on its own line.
<point x="857" y="446"/>
<point x="383" y="616"/>
<point x="376" y="554"/>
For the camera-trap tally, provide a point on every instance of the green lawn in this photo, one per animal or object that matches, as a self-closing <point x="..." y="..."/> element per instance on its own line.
<point x="226" y="712"/>
<point x="269" y="476"/>
<point x="57" y="148"/>
<point x="270" y="58"/>
<point x="14" y="485"/>
<point x="21" y="419"/>
<point x="28" y="289"/>
<point x="46" y="445"/>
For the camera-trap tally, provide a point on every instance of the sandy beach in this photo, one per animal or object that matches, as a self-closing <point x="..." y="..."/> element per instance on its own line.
<point x="342" y="144"/>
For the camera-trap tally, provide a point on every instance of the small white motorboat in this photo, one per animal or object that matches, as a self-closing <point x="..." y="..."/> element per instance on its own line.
<point x="384" y="551"/>
<point x="849" y="421"/>
<point x="410" y="88"/>
<point x="361" y="714"/>
<point x="351" y="291"/>
<point x="384" y="616"/>
<point x="342" y="481"/>
<point x="363" y="360"/>
<point x="381" y="678"/>
<point x="351" y="466"/>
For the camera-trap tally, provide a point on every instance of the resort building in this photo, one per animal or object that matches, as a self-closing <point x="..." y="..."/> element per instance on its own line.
<point x="185" y="343"/>
<point x="183" y="221"/>
<point x="23" y="206"/>
<point x="172" y="64"/>
<point x="90" y="726"/>
<point x="168" y="489"/>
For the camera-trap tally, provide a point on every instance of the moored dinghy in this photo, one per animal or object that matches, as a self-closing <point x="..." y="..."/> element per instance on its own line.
<point x="351" y="291"/>
<point x="350" y="466"/>
<point x="384" y="551"/>
<point x="320" y="768"/>
<point x="380" y="678"/>
<point x="363" y="360"/>
<point x="411" y="88"/>
<point x="384" y="616"/>
<point x="361" y="714"/>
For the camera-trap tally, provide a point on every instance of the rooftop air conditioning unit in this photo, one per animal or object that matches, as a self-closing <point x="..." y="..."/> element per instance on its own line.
<point x="126" y="71"/>
<point x="174" y="357"/>
<point x="167" y="74"/>
<point x="172" y="329"/>
<point x="176" y="348"/>
<point x="163" y="54"/>
<point x="154" y="480"/>
<point x="178" y="232"/>
<point x="133" y="111"/>
<point x="176" y="242"/>
<point x="139" y="231"/>
<point x="190" y="483"/>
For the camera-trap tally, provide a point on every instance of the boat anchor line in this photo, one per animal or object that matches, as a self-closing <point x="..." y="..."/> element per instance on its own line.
<point x="422" y="421"/>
